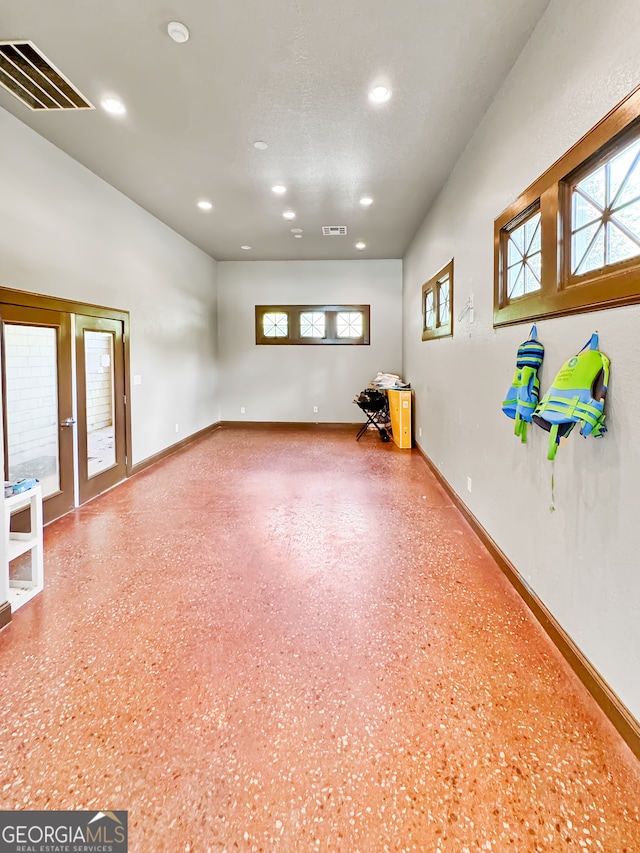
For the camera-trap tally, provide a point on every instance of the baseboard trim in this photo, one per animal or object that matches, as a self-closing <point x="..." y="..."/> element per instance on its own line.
<point x="173" y="448"/>
<point x="5" y="614"/>
<point x="289" y="425"/>
<point x="617" y="712"/>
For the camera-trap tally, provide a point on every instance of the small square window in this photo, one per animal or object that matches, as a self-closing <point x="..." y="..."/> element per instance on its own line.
<point x="522" y="246"/>
<point x="444" y="287"/>
<point x="349" y="324"/>
<point x="605" y="213"/>
<point x="275" y="324"/>
<point x="429" y="309"/>
<point x="312" y="324"/>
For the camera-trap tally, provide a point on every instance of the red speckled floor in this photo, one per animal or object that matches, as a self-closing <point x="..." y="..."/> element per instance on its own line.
<point x="290" y="641"/>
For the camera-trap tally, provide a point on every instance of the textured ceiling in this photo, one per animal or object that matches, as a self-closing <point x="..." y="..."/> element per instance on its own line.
<point x="289" y="72"/>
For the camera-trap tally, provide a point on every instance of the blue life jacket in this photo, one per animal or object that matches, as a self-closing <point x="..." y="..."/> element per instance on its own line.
<point x="577" y="395"/>
<point x="524" y="393"/>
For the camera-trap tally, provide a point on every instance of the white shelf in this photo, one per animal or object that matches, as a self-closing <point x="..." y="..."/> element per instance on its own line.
<point x="14" y="545"/>
<point x="19" y="595"/>
<point x="19" y="545"/>
<point x="21" y="500"/>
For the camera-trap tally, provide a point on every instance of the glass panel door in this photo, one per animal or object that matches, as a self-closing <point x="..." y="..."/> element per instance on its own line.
<point x="101" y="415"/>
<point x="31" y="358"/>
<point x="99" y="402"/>
<point x="38" y="403"/>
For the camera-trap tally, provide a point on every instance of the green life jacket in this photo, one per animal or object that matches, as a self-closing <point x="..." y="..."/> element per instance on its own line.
<point x="577" y="395"/>
<point x="522" y="396"/>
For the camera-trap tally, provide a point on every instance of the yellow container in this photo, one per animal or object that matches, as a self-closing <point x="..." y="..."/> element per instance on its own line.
<point x="400" y="411"/>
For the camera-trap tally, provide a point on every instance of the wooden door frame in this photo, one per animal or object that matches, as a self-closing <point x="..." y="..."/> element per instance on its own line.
<point x="9" y="296"/>
<point x="62" y="501"/>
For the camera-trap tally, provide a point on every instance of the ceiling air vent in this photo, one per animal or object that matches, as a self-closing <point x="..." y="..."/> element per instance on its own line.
<point x="334" y="230"/>
<point x="29" y="75"/>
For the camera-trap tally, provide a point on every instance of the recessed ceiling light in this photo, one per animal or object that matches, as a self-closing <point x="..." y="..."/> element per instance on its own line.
<point x="113" y="106"/>
<point x="296" y="230"/>
<point x="278" y="189"/>
<point x="203" y="204"/>
<point x="298" y="236"/>
<point x="380" y="94"/>
<point x="178" y="32"/>
<point x="260" y="145"/>
<point x="289" y="214"/>
<point x="360" y="246"/>
<point x="365" y="201"/>
<point x="246" y="248"/>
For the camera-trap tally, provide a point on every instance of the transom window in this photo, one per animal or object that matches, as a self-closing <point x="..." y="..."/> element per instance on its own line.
<point x="275" y="324"/>
<point x="349" y="324"/>
<point x="430" y="309"/>
<point x="444" y="295"/>
<point x="605" y="215"/>
<point x="524" y="256"/>
<point x="437" y="299"/>
<point x="571" y="242"/>
<point x="312" y="324"/>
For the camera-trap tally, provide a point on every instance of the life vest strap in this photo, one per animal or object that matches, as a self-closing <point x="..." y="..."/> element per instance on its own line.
<point x="599" y="428"/>
<point x="574" y="409"/>
<point x="520" y="429"/>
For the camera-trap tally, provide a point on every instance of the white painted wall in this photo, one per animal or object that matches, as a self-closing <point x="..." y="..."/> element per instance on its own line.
<point x="582" y="559"/>
<point x="283" y="383"/>
<point x="66" y="233"/>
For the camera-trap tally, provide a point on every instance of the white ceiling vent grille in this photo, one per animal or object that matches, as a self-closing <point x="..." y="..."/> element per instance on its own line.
<point x="35" y="81"/>
<point x="334" y="230"/>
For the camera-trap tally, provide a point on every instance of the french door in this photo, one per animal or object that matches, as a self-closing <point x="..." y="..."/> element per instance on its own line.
<point x="100" y="395"/>
<point x="63" y="384"/>
<point x="38" y="402"/>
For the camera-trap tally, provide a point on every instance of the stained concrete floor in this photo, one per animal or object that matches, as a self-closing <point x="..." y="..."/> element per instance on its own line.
<point x="290" y="641"/>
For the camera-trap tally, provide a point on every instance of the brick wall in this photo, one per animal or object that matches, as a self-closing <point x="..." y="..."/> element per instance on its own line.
<point x="32" y="392"/>
<point x="98" y="367"/>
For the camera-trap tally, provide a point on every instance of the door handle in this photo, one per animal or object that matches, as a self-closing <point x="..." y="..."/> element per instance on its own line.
<point x="68" y="422"/>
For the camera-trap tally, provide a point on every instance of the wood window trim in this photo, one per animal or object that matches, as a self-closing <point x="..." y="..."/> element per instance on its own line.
<point x="444" y="330"/>
<point x="561" y="293"/>
<point x="294" y="338"/>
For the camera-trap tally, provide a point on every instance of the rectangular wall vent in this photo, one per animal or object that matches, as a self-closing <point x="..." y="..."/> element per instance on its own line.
<point x="334" y="230"/>
<point x="34" y="80"/>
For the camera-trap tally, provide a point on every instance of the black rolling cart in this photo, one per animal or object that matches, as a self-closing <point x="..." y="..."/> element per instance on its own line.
<point x="376" y="408"/>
